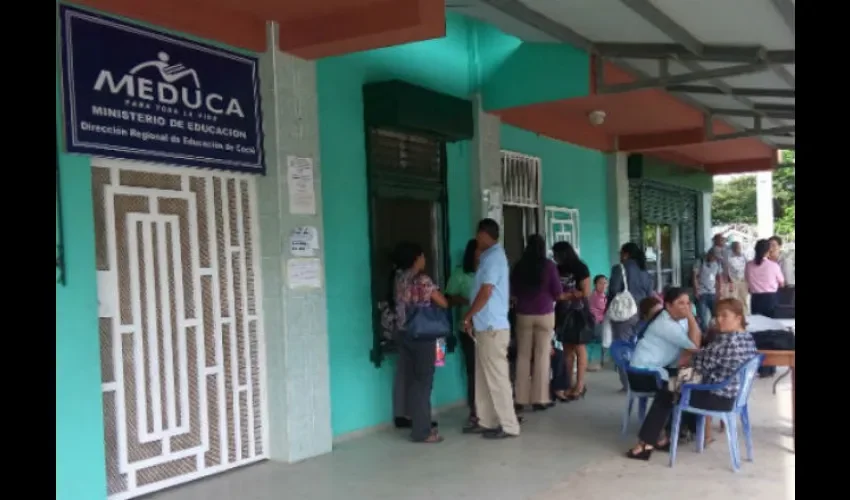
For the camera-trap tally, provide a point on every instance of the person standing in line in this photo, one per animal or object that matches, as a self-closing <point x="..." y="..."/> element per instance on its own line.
<point x="487" y="321"/>
<point x="736" y="265"/>
<point x="458" y="293"/>
<point x="630" y="274"/>
<point x="536" y="286"/>
<point x="786" y="263"/>
<point x="764" y="277"/>
<point x="721" y="254"/>
<point x="707" y="284"/>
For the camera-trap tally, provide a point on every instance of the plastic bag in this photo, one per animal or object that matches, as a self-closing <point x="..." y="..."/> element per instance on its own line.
<point x="607" y="333"/>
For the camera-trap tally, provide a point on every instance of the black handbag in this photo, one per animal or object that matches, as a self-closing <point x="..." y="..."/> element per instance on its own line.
<point x="427" y="322"/>
<point x="774" y="340"/>
<point x="574" y="325"/>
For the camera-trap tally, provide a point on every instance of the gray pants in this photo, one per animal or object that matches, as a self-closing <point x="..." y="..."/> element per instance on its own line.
<point x="414" y="379"/>
<point x="623" y="330"/>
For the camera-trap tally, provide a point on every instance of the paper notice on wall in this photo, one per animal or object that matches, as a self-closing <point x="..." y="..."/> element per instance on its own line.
<point x="304" y="241"/>
<point x="492" y="199"/>
<point x="304" y="273"/>
<point x="299" y="179"/>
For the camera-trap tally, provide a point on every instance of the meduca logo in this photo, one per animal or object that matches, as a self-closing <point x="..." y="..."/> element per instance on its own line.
<point x="166" y="91"/>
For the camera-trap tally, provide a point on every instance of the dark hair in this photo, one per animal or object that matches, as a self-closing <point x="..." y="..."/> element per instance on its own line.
<point x="469" y="256"/>
<point x="597" y="278"/>
<point x="775" y="238"/>
<point x="644" y="309"/>
<point x="646" y="306"/>
<point x="673" y="293"/>
<point x="635" y="253"/>
<point x="490" y="228"/>
<point x="565" y="255"/>
<point x="528" y="272"/>
<point x="709" y="255"/>
<point x="403" y="257"/>
<point x="762" y="248"/>
<point x="734" y="306"/>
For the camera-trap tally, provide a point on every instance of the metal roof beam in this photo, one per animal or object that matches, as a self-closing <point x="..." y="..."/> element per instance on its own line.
<point x="656" y="17"/>
<point x="668" y="80"/>
<point x="783" y="131"/>
<point x="739" y="91"/>
<point x="753" y="113"/>
<point x="775" y="108"/>
<point x="709" y="53"/>
<point x="785" y="8"/>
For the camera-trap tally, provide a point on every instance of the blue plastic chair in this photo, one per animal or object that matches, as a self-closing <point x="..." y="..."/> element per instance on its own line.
<point x="621" y="353"/>
<point x="745" y="375"/>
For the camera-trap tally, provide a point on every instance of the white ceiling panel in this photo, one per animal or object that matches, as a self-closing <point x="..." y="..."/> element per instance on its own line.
<point x="718" y="101"/>
<point x="647" y="66"/>
<point x="730" y="22"/>
<point x="790" y="68"/>
<point x="765" y="80"/>
<point x="738" y="121"/>
<point x="600" y="20"/>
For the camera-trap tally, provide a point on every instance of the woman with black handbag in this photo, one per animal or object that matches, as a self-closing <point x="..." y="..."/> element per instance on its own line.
<point x="573" y="323"/>
<point x="419" y="324"/>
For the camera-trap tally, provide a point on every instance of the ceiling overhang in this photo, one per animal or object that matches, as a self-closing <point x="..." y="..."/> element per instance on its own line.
<point x="309" y="30"/>
<point x="705" y="86"/>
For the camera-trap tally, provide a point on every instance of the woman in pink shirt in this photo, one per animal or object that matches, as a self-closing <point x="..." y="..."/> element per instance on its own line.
<point x="764" y="278"/>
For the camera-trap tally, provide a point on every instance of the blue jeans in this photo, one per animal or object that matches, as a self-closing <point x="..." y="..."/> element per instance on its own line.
<point x="705" y="309"/>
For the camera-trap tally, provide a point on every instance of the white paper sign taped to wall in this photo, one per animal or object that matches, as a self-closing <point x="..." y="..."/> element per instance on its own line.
<point x="299" y="179"/>
<point x="304" y="273"/>
<point x="304" y="241"/>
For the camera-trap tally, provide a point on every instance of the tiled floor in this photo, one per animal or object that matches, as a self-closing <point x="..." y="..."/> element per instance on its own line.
<point x="573" y="451"/>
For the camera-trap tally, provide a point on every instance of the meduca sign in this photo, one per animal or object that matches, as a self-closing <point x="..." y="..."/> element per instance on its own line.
<point x="135" y="93"/>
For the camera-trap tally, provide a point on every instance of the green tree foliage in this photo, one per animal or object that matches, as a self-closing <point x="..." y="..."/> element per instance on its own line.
<point x="735" y="201"/>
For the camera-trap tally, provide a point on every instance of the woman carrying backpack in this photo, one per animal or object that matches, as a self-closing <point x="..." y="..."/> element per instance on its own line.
<point x="628" y="284"/>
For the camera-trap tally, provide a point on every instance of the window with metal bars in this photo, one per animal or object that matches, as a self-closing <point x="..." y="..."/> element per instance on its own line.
<point x="407" y="202"/>
<point x="521" y="201"/>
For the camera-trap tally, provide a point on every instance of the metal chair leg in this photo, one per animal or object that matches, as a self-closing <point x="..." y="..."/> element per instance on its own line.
<point x="779" y="378"/>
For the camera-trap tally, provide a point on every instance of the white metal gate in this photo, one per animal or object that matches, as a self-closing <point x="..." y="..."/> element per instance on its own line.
<point x="180" y="324"/>
<point x="562" y="224"/>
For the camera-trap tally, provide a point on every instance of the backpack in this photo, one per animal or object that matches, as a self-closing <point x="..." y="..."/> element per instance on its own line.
<point x="623" y="305"/>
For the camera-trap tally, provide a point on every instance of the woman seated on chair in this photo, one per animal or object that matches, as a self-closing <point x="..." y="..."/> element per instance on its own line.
<point x="716" y="363"/>
<point x="662" y="340"/>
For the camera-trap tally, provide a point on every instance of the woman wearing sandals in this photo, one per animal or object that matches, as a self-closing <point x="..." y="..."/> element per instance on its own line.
<point x="717" y="362"/>
<point x="575" y="280"/>
<point x="412" y="287"/>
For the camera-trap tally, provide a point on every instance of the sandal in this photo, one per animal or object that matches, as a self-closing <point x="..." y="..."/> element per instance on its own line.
<point x="644" y="453"/>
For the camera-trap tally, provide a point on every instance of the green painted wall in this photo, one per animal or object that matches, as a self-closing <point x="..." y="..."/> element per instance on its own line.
<point x="80" y="471"/>
<point x="361" y="393"/>
<point x="538" y="72"/>
<point x="573" y="177"/>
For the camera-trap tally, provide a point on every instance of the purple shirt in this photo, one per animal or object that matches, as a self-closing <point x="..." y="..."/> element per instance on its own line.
<point x="541" y="300"/>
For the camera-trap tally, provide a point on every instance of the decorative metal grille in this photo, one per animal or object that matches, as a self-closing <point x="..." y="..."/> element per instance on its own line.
<point x="562" y="224"/>
<point x="520" y="180"/>
<point x="180" y="324"/>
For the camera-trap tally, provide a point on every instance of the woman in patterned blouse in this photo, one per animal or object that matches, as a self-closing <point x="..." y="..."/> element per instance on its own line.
<point x="412" y="287"/>
<point x="717" y="362"/>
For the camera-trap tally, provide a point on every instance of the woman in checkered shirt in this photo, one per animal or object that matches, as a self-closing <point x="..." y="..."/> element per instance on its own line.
<point x="715" y="363"/>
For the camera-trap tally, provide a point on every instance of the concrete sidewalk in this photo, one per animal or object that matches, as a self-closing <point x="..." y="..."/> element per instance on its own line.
<point x="571" y="451"/>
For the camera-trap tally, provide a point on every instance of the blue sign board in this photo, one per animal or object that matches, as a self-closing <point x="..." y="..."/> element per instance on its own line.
<point x="132" y="92"/>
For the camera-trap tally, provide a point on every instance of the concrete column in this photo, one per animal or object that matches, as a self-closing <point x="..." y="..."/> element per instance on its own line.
<point x="486" y="164"/>
<point x="297" y="388"/>
<point x="764" y="204"/>
<point x="705" y="226"/>
<point x="619" y="230"/>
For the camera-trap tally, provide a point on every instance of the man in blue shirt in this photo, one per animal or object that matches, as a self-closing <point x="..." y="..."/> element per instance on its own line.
<point x="487" y="322"/>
